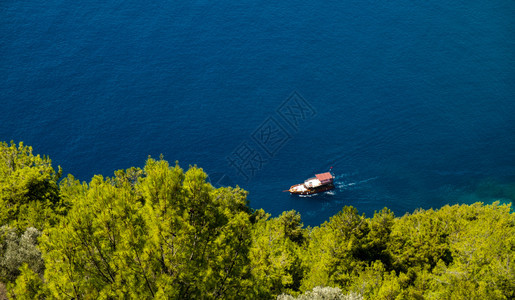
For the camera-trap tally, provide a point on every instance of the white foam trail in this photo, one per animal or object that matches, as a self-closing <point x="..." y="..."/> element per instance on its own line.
<point x="367" y="180"/>
<point x="308" y="196"/>
<point x="342" y="185"/>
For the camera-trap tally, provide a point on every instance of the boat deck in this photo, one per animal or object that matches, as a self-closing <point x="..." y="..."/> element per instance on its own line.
<point x="299" y="188"/>
<point x="312" y="183"/>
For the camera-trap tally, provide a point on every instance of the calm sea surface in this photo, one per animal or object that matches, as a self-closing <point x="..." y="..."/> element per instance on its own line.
<point x="411" y="102"/>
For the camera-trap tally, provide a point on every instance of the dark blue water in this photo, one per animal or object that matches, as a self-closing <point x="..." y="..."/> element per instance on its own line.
<point x="411" y="102"/>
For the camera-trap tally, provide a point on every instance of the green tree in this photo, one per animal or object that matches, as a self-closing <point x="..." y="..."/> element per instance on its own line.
<point x="275" y="254"/>
<point x="28" y="286"/>
<point x="87" y="254"/>
<point x="28" y="187"/>
<point x="378" y="237"/>
<point x="160" y="233"/>
<point x="483" y="251"/>
<point x="199" y="235"/>
<point x="332" y="256"/>
<point x="420" y="240"/>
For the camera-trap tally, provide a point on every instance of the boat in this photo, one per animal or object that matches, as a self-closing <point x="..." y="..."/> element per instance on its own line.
<point x="320" y="183"/>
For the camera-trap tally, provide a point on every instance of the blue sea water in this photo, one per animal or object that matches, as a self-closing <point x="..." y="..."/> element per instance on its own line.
<point x="411" y="102"/>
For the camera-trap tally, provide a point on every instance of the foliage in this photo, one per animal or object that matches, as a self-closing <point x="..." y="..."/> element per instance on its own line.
<point x="28" y="188"/>
<point x="460" y="252"/>
<point x="28" y="286"/>
<point x="333" y="248"/>
<point x="165" y="234"/>
<point x="275" y="254"/>
<point x="483" y="251"/>
<point x="15" y="250"/>
<point x="161" y="232"/>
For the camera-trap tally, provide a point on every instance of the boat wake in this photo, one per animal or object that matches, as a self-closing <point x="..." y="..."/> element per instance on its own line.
<point x="330" y="193"/>
<point x="309" y="196"/>
<point x="342" y="185"/>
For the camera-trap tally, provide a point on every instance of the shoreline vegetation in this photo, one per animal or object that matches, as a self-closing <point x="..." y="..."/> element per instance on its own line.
<point x="163" y="232"/>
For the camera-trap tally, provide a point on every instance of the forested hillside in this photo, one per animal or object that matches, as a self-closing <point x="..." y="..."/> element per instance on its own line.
<point x="163" y="232"/>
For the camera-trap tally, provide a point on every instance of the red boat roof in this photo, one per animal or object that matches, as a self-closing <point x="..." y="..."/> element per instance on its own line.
<point x="324" y="176"/>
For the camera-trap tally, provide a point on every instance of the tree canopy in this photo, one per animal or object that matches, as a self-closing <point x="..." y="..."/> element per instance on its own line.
<point x="163" y="232"/>
<point x="29" y="194"/>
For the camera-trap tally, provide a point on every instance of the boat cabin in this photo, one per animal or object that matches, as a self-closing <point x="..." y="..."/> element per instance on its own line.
<point x="319" y="180"/>
<point x="325" y="178"/>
